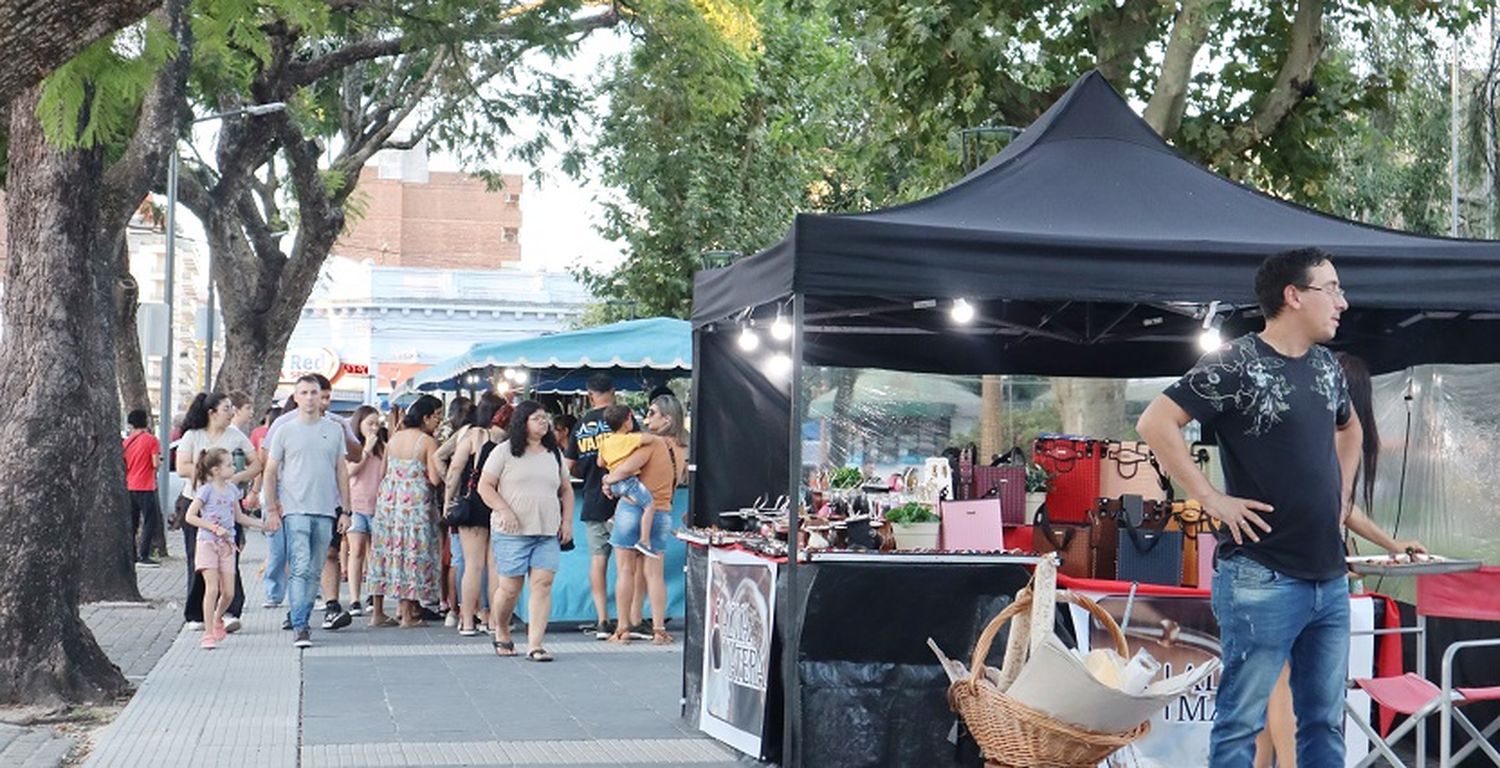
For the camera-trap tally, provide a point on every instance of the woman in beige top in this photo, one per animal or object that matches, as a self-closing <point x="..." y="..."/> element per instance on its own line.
<point x="525" y="484"/>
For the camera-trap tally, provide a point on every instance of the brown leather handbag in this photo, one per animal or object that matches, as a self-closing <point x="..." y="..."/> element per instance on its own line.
<point x="1070" y="542"/>
<point x="1198" y="541"/>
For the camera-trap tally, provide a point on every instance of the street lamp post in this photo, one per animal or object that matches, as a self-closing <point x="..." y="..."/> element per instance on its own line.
<point x="164" y="410"/>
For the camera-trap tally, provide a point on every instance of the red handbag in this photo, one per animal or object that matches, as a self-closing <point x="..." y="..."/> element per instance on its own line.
<point x="1072" y="463"/>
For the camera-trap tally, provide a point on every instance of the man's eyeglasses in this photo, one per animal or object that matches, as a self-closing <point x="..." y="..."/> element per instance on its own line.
<point x="1331" y="291"/>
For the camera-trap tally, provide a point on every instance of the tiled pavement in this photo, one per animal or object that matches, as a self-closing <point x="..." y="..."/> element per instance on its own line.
<point x="392" y="697"/>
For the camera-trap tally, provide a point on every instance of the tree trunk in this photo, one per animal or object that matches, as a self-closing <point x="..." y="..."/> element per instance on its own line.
<point x="57" y="419"/>
<point x="1094" y="407"/>
<point x="992" y="405"/>
<point x="129" y="362"/>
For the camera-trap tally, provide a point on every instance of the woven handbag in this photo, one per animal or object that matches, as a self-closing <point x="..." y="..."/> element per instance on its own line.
<point x="1070" y="542"/>
<point x="1149" y="556"/>
<point x="1013" y="735"/>
<point x="1072" y="463"/>
<point x="1008" y="483"/>
<point x="1129" y="467"/>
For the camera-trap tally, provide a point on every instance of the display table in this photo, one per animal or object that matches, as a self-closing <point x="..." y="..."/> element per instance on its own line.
<point x="872" y="692"/>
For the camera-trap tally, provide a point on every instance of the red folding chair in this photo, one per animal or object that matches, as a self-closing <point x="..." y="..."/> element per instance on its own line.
<point x="1468" y="595"/>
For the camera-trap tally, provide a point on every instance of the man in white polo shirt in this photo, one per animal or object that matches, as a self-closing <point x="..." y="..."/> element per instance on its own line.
<point x="306" y="489"/>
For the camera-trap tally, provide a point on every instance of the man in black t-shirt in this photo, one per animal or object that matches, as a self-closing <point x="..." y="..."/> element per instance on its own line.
<point x="598" y="509"/>
<point x="1290" y="446"/>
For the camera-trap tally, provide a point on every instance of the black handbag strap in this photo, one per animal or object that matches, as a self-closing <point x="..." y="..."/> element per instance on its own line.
<point x="1136" y="534"/>
<point x="1043" y="523"/>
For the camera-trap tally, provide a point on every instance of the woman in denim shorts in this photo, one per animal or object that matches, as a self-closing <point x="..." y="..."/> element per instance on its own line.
<point x="525" y="484"/>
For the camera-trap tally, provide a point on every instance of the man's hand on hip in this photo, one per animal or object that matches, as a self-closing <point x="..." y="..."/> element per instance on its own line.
<point x="1238" y="515"/>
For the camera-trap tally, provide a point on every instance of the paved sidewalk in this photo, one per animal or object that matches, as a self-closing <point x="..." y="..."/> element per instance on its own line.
<point x="400" y="697"/>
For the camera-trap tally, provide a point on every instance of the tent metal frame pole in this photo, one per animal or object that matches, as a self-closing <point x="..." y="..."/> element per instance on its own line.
<point x="791" y="710"/>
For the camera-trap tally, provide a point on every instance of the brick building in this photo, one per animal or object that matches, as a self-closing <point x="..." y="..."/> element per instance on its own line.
<point x="425" y="219"/>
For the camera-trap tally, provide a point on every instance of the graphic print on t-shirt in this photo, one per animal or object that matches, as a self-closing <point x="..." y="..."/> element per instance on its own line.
<point x="1255" y="385"/>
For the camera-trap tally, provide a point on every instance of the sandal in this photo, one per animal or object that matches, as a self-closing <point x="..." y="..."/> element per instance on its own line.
<point x="661" y="637"/>
<point x="414" y="624"/>
<point x="505" y="648"/>
<point x="382" y="620"/>
<point x="538" y="654"/>
<point x="470" y="632"/>
<point x="620" y="636"/>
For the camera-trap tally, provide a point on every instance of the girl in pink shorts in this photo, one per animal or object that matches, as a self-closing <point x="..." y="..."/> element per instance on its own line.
<point x="215" y="511"/>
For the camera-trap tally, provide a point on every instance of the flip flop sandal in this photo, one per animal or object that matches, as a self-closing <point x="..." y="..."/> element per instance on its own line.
<point x="538" y="654"/>
<point x="505" y="648"/>
<point x="383" y="621"/>
<point x="661" y="637"/>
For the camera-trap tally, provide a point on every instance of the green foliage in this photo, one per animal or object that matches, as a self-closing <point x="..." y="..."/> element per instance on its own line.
<point x="93" y="99"/>
<point x="911" y="512"/>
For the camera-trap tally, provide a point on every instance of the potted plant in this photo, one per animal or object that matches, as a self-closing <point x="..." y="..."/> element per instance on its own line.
<point x="915" y="525"/>
<point x="1037" y="483"/>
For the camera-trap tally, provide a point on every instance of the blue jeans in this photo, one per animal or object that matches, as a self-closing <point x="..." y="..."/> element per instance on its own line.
<point x="275" y="578"/>
<point x="307" y="535"/>
<point x="1265" y="618"/>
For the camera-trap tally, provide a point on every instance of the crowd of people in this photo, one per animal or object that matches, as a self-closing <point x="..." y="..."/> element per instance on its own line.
<point x="425" y="516"/>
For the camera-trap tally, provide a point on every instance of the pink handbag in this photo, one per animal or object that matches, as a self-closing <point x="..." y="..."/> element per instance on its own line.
<point x="974" y="525"/>
<point x="1129" y="468"/>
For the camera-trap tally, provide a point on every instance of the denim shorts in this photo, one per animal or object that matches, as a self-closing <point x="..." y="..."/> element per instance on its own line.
<point x="361" y="523"/>
<point x="627" y="531"/>
<point x="518" y="555"/>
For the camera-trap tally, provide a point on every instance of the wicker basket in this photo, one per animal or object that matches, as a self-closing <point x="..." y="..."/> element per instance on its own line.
<point x="1012" y="735"/>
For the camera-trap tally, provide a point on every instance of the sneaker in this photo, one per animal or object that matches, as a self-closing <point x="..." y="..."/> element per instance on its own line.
<point x="331" y="612"/>
<point x="451" y="619"/>
<point x="195" y="626"/>
<point x="646" y="550"/>
<point x="343" y="619"/>
<point x="357" y="609"/>
<point x="641" y="631"/>
<point x="232" y="624"/>
<point x="603" y="630"/>
<point x="286" y="623"/>
<point x="303" y="639"/>
<point x="209" y="642"/>
<point x="430" y="615"/>
<point x="147" y="563"/>
<point x="271" y="604"/>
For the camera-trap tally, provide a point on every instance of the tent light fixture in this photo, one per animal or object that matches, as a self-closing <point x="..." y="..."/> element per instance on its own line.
<point x="781" y="330"/>
<point x="963" y="311"/>
<point x="1211" y="338"/>
<point x="749" y="339"/>
<point x="924" y="304"/>
<point x="780" y="364"/>
<point x="521" y="376"/>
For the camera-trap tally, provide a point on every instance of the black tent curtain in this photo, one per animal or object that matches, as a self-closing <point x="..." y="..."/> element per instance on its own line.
<point x="1088" y="248"/>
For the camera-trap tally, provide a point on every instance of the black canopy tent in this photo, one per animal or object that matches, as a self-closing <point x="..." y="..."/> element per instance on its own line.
<point x="1088" y="247"/>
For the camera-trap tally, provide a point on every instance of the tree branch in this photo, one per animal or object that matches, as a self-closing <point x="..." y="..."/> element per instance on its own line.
<point x="39" y="36"/>
<point x="308" y="72"/>
<point x="1293" y="83"/>
<point x="1121" y="35"/>
<point x="145" y="159"/>
<point x="1189" y="32"/>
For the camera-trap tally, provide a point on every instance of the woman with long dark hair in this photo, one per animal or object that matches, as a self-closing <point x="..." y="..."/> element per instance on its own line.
<point x="404" y="553"/>
<point x="1277" y="744"/>
<point x="364" y="486"/>
<point x="525" y="483"/>
<point x="470" y="544"/>
<point x="207" y="425"/>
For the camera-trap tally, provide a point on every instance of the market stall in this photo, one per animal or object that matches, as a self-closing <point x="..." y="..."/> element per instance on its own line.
<point x="1087" y="248"/>
<point x="638" y="354"/>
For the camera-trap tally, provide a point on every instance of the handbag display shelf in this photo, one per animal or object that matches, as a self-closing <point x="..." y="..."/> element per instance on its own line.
<point x="1006" y="482"/>
<point x="1072" y="464"/>
<point x="1070" y="542"/>
<point x="1130" y="468"/>
<point x="1011" y="734"/>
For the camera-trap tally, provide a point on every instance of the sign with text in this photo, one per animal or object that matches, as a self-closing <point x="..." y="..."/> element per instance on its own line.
<point x="304" y="360"/>
<point x="737" y="629"/>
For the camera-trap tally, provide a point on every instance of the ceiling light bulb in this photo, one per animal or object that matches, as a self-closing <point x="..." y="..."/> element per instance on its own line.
<point x="749" y="340"/>
<point x="963" y="311"/>
<point x="779" y="365"/>
<point x="1210" y="339"/>
<point x="781" y="330"/>
<point x="520" y="377"/>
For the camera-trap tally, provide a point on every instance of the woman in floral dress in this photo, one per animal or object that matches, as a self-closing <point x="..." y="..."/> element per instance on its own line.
<point x="404" y="560"/>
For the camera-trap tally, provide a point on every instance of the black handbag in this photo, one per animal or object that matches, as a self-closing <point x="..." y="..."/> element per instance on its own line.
<point x="1147" y="555"/>
<point x="468" y="509"/>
